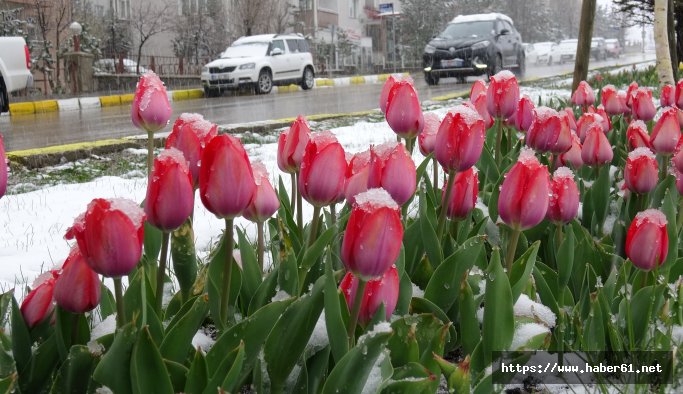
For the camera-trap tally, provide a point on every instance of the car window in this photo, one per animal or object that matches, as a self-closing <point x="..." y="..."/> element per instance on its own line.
<point x="293" y="46"/>
<point x="508" y="26"/>
<point x="277" y="44"/>
<point x="303" y="45"/>
<point x="467" y="29"/>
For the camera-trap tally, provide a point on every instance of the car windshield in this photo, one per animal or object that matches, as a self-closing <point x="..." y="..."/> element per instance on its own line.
<point x="543" y="46"/>
<point x="246" y="50"/>
<point x="467" y="29"/>
<point x="568" y="44"/>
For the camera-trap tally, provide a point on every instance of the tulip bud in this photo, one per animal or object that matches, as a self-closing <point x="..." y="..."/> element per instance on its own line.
<point x="583" y="95"/>
<point x="170" y="194"/>
<point x="478" y="103"/>
<point x="604" y="119"/>
<point x="292" y="145"/>
<point x="403" y="113"/>
<point x="392" y="169"/>
<point x="265" y="202"/>
<point x="549" y="132"/>
<point x="572" y="157"/>
<point x="647" y="241"/>
<point x="323" y="170"/>
<point x="190" y="135"/>
<point x="357" y="174"/>
<point x="374" y="233"/>
<point x="502" y="95"/>
<point x="667" y="97"/>
<point x="77" y="289"/>
<point x="666" y="133"/>
<point x="610" y="100"/>
<point x="642" y="171"/>
<point x="637" y="135"/>
<point x="383" y="290"/>
<point x="478" y="87"/>
<point x="679" y="94"/>
<point x="39" y="303"/>
<point x="642" y="107"/>
<point x="388" y="84"/>
<point x="110" y="235"/>
<point x="679" y="179"/>
<point x="621" y="95"/>
<point x="563" y="205"/>
<point x="571" y="119"/>
<point x="677" y="160"/>
<point x="460" y="139"/>
<point x="463" y="195"/>
<point x="3" y="169"/>
<point x="525" y="114"/>
<point x="596" y="149"/>
<point x="523" y="198"/>
<point x="585" y="122"/>
<point x="629" y="94"/>
<point x="226" y="180"/>
<point x="427" y="138"/>
<point x="150" y="110"/>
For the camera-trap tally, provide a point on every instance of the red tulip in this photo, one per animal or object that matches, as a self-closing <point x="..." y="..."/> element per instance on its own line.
<point x="523" y="199"/>
<point x="641" y="172"/>
<point x="621" y="95"/>
<point x="110" y="235"/>
<point x="478" y="87"/>
<point x="150" y="110"/>
<point x="427" y="137"/>
<point x="637" y="135"/>
<point x="679" y="180"/>
<point x="403" y="113"/>
<point x="39" y="303"/>
<point x="569" y="113"/>
<point x="460" y="139"/>
<point x="604" y="119"/>
<point x="502" y="95"/>
<point x="629" y="94"/>
<point x="642" y="107"/>
<point x="596" y="149"/>
<point x="549" y="132"/>
<point x="677" y="159"/>
<point x="388" y="84"/>
<point x="464" y="194"/>
<point x="524" y="116"/>
<point x="572" y="157"/>
<point x="563" y="205"/>
<point x="392" y="169"/>
<point x="647" y="241"/>
<point x="666" y="133"/>
<point x="77" y="289"/>
<point x="667" y="97"/>
<point x="323" y="170"/>
<point x="479" y="105"/>
<point x="378" y="291"/>
<point x="226" y="180"/>
<point x="265" y="202"/>
<point x="3" y="169"/>
<point x="170" y="193"/>
<point x="373" y="236"/>
<point x="679" y="94"/>
<point x="357" y="174"/>
<point x="583" y="95"/>
<point x="610" y="100"/>
<point x="585" y="122"/>
<point x="190" y="135"/>
<point x="292" y="145"/>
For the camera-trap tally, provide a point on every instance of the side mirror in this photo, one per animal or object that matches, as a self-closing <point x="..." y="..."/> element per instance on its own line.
<point x="276" y="52"/>
<point x="504" y="32"/>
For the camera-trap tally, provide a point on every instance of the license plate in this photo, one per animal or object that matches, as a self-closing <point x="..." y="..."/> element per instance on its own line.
<point x="449" y="63"/>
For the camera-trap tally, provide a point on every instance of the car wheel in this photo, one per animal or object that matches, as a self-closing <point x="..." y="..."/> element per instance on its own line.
<point x="4" y="99"/>
<point x="308" y="80"/>
<point x="265" y="82"/>
<point x="431" y="79"/>
<point x="520" y="70"/>
<point x="496" y="66"/>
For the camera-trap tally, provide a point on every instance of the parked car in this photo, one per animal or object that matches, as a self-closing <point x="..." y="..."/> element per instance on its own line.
<point x="598" y="49"/>
<point x="529" y="53"/>
<point x="543" y="51"/>
<point x="260" y="62"/>
<point x="108" y="66"/>
<point x="15" y="68"/>
<point x="566" y="51"/>
<point x="613" y="47"/>
<point x="474" y="45"/>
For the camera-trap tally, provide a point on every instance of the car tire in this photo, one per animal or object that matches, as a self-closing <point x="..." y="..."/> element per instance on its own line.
<point x="264" y="84"/>
<point x="496" y="66"/>
<point x="520" y="70"/>
<point x="4" y="98"/>
<point x="308" y="79"/>
<point x="431" y="79"/>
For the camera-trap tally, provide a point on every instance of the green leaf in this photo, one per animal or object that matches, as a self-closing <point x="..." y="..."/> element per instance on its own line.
<point x="541" y="273"/>
<point x="405" y="294"/>
<point x="594" y="330"/>
<point x="107" y="302"/>
<point x="214" y="281"/>
<point x="521" y="270"/>
<point x="43" y="364"/>
<point x="414" y="338"/>
<point x="316" y="250"/>
<point x="469" y="324"/>
<point x="499" y="322"/>
<point x="600" y="196"/>
<point x="316" y="370"/>
<point x="198" y="375"/>
<point x="251" y="272"/>
<point x="669" y="209"/>
<point x="21" y="339"/>
<point x="411" y="379"/>
<point x="265" y="291"/>
<point x="184" y="258"/>
<point x="176" y="344"/>
<point x="178" y="374"/>
<point x="147" y="370"/>
<point x="429" y="238"/>
<point x="114" y="369"/>
<point x="227" y="375"/>
<point x="414" y="250"/>
<point x="565" y="258"/>
<point x="152" y="242"/>
<point x="336" y="331"/>
<point x="288" y="278"/>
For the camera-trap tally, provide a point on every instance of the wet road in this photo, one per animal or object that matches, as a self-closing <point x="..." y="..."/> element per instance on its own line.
<point x="56" y="128"/>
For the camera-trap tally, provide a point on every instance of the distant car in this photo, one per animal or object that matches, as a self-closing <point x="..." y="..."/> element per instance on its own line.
<point x="613" y="47"/>
<point x="566" y="51"/>
<point x="598" y="49"/>
<point x="529" y="53"/>
<point x="260" y="62"/>
<point x="109" y="66"/>
<point x="15" y="68"/>
<point x="544" y="51"/>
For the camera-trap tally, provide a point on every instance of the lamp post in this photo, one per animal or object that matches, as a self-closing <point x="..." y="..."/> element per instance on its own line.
<point x="76" y="30"/>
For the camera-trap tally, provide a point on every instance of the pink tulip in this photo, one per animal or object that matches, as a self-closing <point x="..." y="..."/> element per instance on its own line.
<point x="460" y="139"/>
<point x="373" y="236"/>
<point x="549" y="132"/>
<point x="39" y="303"/>
<point x="292" y="145"/>
<point x="110" y="235"/>
<point x="666" y="133"/>
<point x="77" y="289"/>
<point x="392" y="169"/>
<point x="572" y="157"/>
<point x="596" y="149"/>
<point x="604" y="119"/>
<point x="170" y="193"/>
<point x="563" y="205"/>
<point x="427" y="138"/>
<point x="583" y="95"/>
<point x="585" y="122"/>
<point x="502" y="95"/>
<point x="383" y="290"/>
<point x="323" y="170"/>
<point x="621" y="95"/>
<point x="667" y="98"/>
<point x="677" y="159"/>
<point x="463" y="195"/>
<point x="679" y="94"/>
<point x="647" y="241"/>
<point x="642" y="107"/>
<point x="641" y="172"/>
<point x="570" y="118"/>
<point x="388" y="84"/>
<point x="629" y="94"/>
<point x="150" y="110"/>
<point x="610" y="100"/>
<point x="403" y="113"/>
<point x="265" y="202"/>
<point x="190" y="135"/>
<point x="679" y="180"/>
<point x="523" y="199"/>
<point x="357" y="174"/>
<point x="478" y="87"/>
<point x="3" y="169"/>
<point x="637" y="135"/>
<point x="479" y="105"/>
<point x="524" y="116"/>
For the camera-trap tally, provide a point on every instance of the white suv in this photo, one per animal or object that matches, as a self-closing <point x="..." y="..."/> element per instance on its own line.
<point x="260" y="62"/>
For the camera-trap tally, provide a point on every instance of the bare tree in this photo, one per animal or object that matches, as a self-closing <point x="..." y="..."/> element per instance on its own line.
<point x="248" y="14"/>
<point x="260" y="16"/>
<point x="61" y="16"/>
<point x="281" y="15"/>
<point x="664" y="70"/>
<point x="583" y="50"/>
<point x="148" y="20"/>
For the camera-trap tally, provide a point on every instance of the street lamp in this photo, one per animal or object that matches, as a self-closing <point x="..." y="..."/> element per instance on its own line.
<point x="76" y="30"/>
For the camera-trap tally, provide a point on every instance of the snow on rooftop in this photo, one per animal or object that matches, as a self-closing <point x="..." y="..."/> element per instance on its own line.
<point x="652" y="215"/>
<point x="376" y="198"/>
<point x="641" y="152"/>
<point x="563" y="172"/>
<point x="481" y="17"/>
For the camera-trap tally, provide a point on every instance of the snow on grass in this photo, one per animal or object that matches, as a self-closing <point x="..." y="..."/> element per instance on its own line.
<point x="202" y="341"/>
<point x="318" y="339"/>
<point x="537" y="311"/>
<point x="107" y="326"/>
<point x="525" y="332"/>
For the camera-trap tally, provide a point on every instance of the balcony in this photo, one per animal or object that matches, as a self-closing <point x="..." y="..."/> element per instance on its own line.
<point x="325" y="19"/>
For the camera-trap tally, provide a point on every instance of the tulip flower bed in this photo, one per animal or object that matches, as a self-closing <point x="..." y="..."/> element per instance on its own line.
<point x="522" y="228"/>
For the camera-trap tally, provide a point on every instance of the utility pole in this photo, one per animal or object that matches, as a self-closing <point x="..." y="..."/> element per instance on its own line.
<point x="583" y="49"/>
<point x="315" y="17"/>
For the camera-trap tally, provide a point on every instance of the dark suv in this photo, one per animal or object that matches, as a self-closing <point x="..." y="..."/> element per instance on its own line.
<point x="474" y="45"/>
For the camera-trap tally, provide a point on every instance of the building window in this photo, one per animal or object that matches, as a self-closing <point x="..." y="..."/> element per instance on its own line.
<point x="353" y="9"/>
<point x="123" y="9"/>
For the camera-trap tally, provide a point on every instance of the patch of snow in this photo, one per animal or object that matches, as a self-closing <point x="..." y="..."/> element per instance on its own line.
<point x="525" y="332"/>
<point x="563" y="172"/>
<point x="136" y="152"/>
<point x="417" y="292"/>
<point x="375" y="199"/>
<point x="652" y="215"/>
<point x="372" y="384"/>
<point x="527" y="156"/>
<point x="537" y="311"/>
<point x="319" y="338"/>
<point x="128" y="208"/>
<point x="107" y="326"/>
<point x="280" y="295"/>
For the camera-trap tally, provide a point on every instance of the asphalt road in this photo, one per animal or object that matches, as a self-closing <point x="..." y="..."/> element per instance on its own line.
<point x="55" y="128"/>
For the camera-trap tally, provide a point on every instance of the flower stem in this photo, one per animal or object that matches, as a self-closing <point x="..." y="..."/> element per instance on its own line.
<point x="299" y="209"/>
<point x="120" y="307"/>
<point x="161" y="272"/>
<point x="314" y="226"/>
<point x="333" y="215"/>
<point x="227" y="270"/>
<point x="499" y="139"/>
<point x="665" y="166"/>
<point x="74" y="328"/>
<point x="444" y="204"/>
<point x="150" y="152"/>
<point x="292" y="197"/>
<point x="259" y="245"/>
<point x="436" y="174"/>
<point x="558" y="241"/>
<point x="355" y="311"/>
<point x="680" y="215"/>
<point x="512" y="247"/>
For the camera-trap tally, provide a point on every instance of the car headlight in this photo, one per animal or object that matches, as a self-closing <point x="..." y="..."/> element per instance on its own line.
<point x="430" y="49"/>
<point x="247" y="66"/>
<point x="481" y="45"/>
<point x="205" y="69"/>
